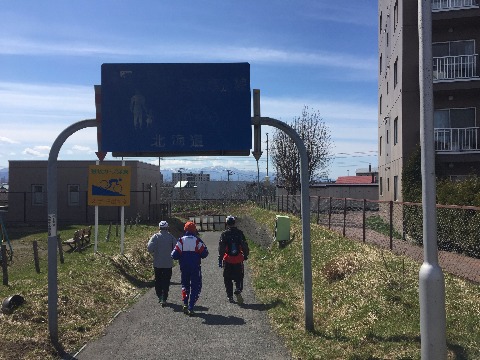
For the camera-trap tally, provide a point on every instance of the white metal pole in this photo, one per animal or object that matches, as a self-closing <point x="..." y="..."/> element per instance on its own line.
<point x="52" y="225"/>
<point x="431" y="280"/>
<point x="122" y="222"/>
<point x="96" y="222"/>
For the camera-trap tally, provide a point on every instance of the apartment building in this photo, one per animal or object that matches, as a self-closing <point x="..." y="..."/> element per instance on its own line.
<point x="456" y="89"/>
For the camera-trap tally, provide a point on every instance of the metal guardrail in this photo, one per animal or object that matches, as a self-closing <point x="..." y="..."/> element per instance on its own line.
<point x="209" y="222"/>
<point x="455" y="67"/>
<point x="456" y="139"/>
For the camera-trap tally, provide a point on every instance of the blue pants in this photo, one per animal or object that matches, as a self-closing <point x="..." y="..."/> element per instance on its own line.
<point x="191" y="286"/>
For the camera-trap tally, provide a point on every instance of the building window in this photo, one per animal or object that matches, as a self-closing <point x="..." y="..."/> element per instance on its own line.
<point x="395" y="131"/>
<point x="381" y="186"/>
<point x="388" y="184"/>
<point x="395" y="188"/>
<point x="454" y="118"/>
<point x="395" y="15"/>
<point x="380" y="104"/>
<point x="395" y="73"/>
<point x="386" y="137"/>
<point x="388" y="38"/>
<point x="455" y="129"/>
<point x="387" y="87"/>
<point x="73" y="195"/>
<point x="38" y="195"/>
<point x="454" y="60"/>
<point x="380" y="146"/>
<point x="380" y="63"/>
<point x="380" y="24"/>
<point x="453" y="48"/>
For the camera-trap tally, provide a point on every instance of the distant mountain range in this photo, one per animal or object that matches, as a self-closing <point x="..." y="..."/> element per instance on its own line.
<point x="218" y="173"/>
<point x="4" y="175"/>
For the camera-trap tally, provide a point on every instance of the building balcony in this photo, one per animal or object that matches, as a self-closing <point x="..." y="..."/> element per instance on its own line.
<point x="461" y="67"/>
<point x="456" y="139"/>
<point x="447" y="5"/>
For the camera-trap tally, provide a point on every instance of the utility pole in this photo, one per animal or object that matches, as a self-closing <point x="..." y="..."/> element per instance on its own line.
<point x="229" y="172"/>
<point x="267" y="154"/>
<point x="180" y="191"/>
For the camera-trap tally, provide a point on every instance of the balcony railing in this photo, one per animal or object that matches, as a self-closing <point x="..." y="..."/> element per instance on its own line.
<point x="442" y="5"/>
<point x="455" y="67"/>
<point x="456" y="139"/>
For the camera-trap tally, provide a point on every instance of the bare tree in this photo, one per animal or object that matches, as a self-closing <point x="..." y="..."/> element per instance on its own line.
<point x="286" y="160"/>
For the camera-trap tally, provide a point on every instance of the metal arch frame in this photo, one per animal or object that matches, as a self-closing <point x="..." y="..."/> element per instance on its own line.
<point x="305" y="205"/>
<point x="52" y="224"/>
<point x="52" y="215"/>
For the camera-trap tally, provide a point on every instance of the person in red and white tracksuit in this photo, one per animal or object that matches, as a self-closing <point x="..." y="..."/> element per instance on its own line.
<point x="190" y="250"/>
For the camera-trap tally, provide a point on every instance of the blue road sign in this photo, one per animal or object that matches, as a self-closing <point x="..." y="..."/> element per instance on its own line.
<point x="176" y="109"/>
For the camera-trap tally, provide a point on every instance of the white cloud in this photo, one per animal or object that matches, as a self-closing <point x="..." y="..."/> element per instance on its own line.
<point x="355" y="12"/>
<point x="7" y="140"/>
<point x="37" y="151"/>
<point x="186" y="52"/>
<point x="330" y="110"/>
<point x="39" y="99"/>
<point x="82" y="148"/>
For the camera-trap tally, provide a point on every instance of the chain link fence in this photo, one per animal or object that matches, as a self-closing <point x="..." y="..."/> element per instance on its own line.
<point x="396" y="226"/>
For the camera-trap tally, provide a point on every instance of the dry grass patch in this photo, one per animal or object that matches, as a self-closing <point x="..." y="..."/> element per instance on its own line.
<point x="340" y="267"/>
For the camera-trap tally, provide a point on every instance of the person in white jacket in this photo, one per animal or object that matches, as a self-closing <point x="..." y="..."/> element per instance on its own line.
<point x="161" y="245"/>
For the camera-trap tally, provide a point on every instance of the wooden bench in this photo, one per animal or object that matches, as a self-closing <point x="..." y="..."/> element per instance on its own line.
<point x="80" y="239"/>
<point x="86" y="234"/>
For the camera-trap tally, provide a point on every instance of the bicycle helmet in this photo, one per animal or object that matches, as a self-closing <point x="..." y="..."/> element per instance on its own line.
<point x="230" y="220"/>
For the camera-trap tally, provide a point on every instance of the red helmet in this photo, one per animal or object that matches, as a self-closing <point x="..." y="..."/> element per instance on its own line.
<point x="190" y="227"/>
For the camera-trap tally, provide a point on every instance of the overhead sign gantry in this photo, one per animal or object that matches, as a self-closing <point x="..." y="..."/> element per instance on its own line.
<point x="172" y="110"/>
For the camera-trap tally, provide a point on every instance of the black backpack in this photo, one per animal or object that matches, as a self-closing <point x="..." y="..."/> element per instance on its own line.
<point x="233" y="245"/>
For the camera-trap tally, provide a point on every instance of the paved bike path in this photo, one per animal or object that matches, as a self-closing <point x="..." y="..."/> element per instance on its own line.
<point x="219" y="329"/>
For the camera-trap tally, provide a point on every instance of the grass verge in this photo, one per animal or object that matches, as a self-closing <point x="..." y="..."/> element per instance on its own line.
<point x="365" y="300"/>
<point x="92" y="289"/>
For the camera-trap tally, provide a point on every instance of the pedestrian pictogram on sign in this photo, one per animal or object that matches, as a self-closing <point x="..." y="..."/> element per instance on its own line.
<point x="109" y="185"/>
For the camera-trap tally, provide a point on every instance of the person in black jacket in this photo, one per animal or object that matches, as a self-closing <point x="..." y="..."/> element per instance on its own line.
<point x="232" y="252"/>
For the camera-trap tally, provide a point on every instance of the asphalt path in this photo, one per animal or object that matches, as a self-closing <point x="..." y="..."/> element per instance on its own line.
<point x="219" y="329"/>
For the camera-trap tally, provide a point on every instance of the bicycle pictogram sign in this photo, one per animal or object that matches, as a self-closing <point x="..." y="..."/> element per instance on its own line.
<point x="109" y="185"/>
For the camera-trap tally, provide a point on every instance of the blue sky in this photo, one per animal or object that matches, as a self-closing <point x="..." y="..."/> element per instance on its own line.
<point x="318" y="53"/>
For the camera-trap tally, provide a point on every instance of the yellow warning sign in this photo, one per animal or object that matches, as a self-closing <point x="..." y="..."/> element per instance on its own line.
<point x="109" y="185"/>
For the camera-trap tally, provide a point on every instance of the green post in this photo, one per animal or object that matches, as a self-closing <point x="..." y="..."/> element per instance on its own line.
<point x="282" y="230"/>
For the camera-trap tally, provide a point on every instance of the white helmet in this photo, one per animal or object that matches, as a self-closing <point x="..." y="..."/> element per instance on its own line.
<point x="163" y="224"/>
